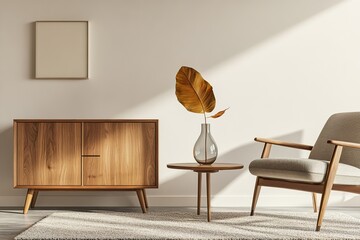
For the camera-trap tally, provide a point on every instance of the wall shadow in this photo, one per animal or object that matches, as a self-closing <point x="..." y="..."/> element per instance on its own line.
<point x="354" y="201"/>
<point x="149" y="43"/>
<point x="32" y="54"/>
<point x="151" y="49"/>
<point x="6" y="163"/>
<point x="186" y="183"/>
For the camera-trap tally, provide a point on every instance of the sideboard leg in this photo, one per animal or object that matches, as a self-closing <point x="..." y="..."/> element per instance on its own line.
<point x="140" y="195"/>
<point x="33" y="201"/>
<point x="145" y="198"/>
<point x="29" y="196"/>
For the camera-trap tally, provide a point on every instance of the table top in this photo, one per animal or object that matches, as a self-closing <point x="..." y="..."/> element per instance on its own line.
<point x="205" y="167"/>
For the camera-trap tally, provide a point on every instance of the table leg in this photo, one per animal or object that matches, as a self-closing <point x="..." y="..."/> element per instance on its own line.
<point x="208" y="188"/>
<point x="199" y="193"/>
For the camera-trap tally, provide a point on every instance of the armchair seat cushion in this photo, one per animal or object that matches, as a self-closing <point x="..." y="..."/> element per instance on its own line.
<point x="303" y="170"/>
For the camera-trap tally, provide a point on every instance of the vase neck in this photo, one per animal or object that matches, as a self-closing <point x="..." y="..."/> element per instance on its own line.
<point x="205" y="127"/>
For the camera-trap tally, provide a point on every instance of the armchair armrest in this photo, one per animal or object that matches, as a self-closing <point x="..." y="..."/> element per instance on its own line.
<point x="344" y="143"/>
<point x="285" y="144"/>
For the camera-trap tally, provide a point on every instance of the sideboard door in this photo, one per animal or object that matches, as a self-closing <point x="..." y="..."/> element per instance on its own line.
<point x="48" y="154"/>
<point x="119" y="154"/>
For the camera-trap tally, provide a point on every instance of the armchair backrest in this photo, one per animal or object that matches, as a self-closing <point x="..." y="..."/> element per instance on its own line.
<point x="343" y="127"/>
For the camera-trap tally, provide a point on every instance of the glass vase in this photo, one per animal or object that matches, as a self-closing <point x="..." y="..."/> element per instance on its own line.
<point x="205" y="149"/>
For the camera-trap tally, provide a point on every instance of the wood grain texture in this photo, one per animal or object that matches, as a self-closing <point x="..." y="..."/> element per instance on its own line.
<point x="141" y="198"/>
<point x="265" y="154"/>
<point x="344" y="143"/>
<point x="307" y="187"/>
<point x="199" y="193"/>
<point x="54" y="155"/>
<point x="86" y="188"/>
<point x="257" y="189"/>
<point x="208" y="196"/>
<point x="87" y="120"/>
<point x="314" y="202"/>
<point x="346" y="188"/>
<point x="284" y="144"/>
<point x="330" y="176"/>
<point x="128" y="154"/>
<point x="28" y="200"/>
<point x="33" y="201"/>
<point x="266" y="150"/>
<point x="208" y="169"/>
<point x="145" y="198"/>
<point x="48" y="154"/>
<point x="205" y="168"/>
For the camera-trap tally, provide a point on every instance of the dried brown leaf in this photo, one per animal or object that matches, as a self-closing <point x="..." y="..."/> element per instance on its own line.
<point x="219" y="114"/>
<point x="193" y="91"/>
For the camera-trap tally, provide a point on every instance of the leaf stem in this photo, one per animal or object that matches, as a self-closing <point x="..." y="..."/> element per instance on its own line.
<point x="206" y="159"/>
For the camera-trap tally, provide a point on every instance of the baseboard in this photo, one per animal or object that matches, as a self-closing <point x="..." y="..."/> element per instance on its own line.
<point x="175" y="201"/>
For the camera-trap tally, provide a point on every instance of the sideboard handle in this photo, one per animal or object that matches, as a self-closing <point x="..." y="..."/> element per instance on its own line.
<point x="89" y="155"/>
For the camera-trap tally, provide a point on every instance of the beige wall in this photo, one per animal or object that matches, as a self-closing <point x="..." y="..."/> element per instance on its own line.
<point x="281" y="66"/>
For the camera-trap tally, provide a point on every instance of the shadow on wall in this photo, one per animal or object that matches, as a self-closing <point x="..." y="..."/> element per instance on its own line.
<point x="6" y="164"/>
<point x="147" y="43"/>
<point x="32" y="58"/>
<point x="353" y="201"/>
<point x="162" y="37"/>
<point x="186" y="184"/>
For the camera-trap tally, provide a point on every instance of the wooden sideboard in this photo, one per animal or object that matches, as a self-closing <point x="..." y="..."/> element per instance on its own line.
<point x="85" y="155"/>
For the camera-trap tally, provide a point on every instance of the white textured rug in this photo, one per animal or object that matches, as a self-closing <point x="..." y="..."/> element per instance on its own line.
<point x="187" y="225"/>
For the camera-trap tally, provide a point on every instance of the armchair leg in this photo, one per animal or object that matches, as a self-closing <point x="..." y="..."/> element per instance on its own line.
<point x="314" y="202"/>
<point x="328" y="184"/>
<point x="255" y="196"/>
<point x="323" y="204"/>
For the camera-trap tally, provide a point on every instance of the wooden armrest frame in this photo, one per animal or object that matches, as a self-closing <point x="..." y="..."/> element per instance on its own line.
<point x="270" y="142"/>
<point x="344" y="143"/>
<point x="284" y="144"/>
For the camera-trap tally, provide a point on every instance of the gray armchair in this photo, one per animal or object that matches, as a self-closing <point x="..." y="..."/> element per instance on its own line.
<point x="333" y="163"/>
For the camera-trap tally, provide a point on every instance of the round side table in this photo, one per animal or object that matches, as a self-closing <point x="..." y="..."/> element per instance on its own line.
<point x="208" y="169"/>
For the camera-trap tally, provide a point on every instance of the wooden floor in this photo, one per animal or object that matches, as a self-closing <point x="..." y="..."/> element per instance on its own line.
<point x="13" y="222"/>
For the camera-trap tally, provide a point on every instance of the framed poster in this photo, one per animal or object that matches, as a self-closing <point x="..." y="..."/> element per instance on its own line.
<point x="61" y="49"/>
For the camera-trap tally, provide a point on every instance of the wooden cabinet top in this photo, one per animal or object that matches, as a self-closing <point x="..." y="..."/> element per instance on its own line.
<point x="88" y="120"/>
